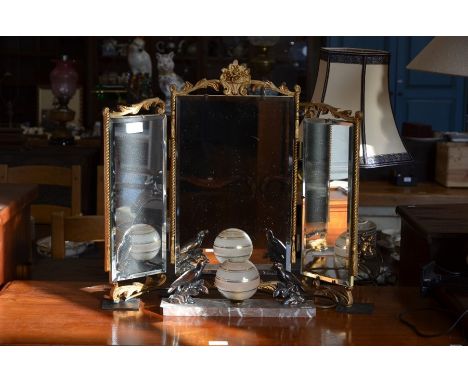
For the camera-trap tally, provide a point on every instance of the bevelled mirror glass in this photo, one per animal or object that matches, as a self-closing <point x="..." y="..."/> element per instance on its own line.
<point x="137" y="199"/>
<point x="235" y="166"/>
<point x="328" y="208"/>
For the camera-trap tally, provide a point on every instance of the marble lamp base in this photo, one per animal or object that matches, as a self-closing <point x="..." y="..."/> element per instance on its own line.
<point x="246" y="308"/>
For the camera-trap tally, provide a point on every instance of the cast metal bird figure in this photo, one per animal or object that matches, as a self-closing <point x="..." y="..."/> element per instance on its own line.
<point x="289" y="288"/>
<point x="276" y="249"/>
<point x="287" y="277"/>
<point x="191" y="259"/>
<point x="194" y="243"/>
<point x="187" y="278"/>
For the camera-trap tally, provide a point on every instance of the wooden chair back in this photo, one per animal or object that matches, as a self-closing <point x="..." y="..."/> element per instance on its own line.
<point x="100" y="210"/>
<point x="100" y="191"/>
<point x="74" y="228"/>
<point x="47" y="175"/>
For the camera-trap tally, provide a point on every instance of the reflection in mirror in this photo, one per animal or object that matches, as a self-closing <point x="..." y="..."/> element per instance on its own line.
<point x="138" y="196"/>
<point x="327" y="169"/>
<point x="235" y="168"/>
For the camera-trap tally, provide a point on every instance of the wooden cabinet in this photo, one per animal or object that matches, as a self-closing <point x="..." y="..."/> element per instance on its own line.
<point x="433" y="233"/>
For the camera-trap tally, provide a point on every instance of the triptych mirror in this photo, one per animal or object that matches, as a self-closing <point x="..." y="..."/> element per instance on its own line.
<point x="230" y="159"/>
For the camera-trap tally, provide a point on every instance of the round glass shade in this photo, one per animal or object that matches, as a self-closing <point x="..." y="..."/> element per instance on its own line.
<point x="237" y="281"/>
<point x="64" y="79"/>
<point x="145" y="242"/>
<point x="232" y="244"/>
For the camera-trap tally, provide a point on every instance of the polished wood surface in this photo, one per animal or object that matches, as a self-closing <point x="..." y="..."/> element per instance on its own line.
<point x="69" y="313"/>
<point x="15" y="227"/>
<point x="437" y="221"/>
<point x="381" y="193"/>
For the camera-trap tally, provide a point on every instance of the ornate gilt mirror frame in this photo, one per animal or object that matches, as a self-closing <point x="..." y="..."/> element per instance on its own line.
<point x="108" y="116"/>
<point x="235" y="80"/>
<point x="324" y="111"/>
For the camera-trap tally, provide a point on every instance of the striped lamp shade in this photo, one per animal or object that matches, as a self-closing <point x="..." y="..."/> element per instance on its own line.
<point x="237" y="281"/>
<point x="232" y="244"/>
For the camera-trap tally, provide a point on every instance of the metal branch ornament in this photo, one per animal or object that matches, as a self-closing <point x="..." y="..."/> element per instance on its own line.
<point x="188" y="284"/>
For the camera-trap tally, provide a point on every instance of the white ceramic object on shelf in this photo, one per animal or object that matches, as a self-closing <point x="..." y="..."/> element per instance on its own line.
<point x="145" y="242"/>
<point x="139" y="59"/>
<point x="232" y="244"/>
<point x="167" y="77"/>
<point x="237" y="281"/>
<point x="72" y="248"/>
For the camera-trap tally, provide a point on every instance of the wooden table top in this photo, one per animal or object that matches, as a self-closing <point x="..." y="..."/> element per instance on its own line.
<point x="69" y="313"/>
<point x="14" y="197"/>
<point x="437" y="221"/>
<point x="381" y="193"/>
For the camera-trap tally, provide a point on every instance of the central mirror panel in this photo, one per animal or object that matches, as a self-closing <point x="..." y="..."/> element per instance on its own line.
<point x="235" y="157"/>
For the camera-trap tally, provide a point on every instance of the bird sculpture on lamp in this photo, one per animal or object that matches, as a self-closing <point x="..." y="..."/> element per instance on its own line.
<point x="289" y="287"/>
<point x="188" y="284"/>
<point x="276" y="250"/>
<point x="191" y="254"/>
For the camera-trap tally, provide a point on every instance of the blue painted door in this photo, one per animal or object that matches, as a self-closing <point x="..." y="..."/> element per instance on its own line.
<point x="434" y="99"/>
<point x="419" y="97"/>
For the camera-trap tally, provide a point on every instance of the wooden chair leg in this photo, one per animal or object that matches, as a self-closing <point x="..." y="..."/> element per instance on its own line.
<point x="58" y="236"/>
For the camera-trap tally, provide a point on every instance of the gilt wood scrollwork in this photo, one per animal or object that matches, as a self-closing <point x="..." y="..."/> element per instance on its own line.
<point x="135" y="108"/>
<point x="235" y="80"/>
<point x="314" y="110"/>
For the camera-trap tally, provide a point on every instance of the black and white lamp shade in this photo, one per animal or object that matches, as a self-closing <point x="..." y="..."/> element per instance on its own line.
<point x="357" y="80"/>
